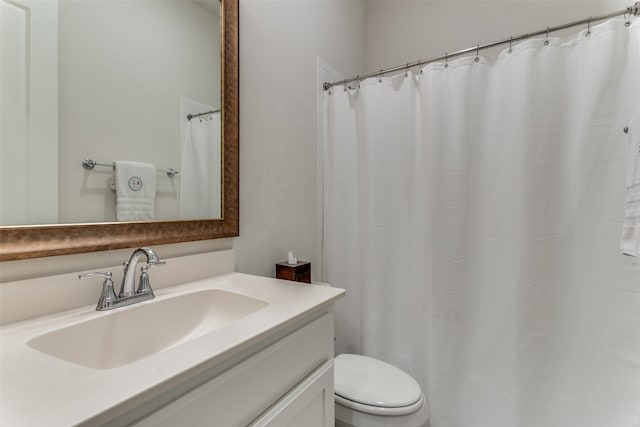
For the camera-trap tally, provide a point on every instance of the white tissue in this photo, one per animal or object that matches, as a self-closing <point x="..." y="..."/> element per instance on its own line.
<point x="291" y="259"/>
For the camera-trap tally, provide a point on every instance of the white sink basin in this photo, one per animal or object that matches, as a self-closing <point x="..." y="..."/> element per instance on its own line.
<point x="124" y="336"/>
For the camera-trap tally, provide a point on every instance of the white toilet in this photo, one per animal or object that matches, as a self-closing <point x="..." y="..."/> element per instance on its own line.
<point x="373" y="393"/>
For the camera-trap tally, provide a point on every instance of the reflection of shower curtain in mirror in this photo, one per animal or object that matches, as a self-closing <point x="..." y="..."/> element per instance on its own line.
<point x="200" y="170"/>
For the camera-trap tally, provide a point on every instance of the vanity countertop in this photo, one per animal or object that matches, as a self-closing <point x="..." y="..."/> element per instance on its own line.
<point x="37" y="389"/>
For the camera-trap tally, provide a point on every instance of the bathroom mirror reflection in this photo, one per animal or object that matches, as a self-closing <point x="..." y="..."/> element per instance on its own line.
<point x="108" y="80"/>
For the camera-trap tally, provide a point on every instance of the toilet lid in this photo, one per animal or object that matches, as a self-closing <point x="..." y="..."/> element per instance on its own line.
<point x="372" y="382"/>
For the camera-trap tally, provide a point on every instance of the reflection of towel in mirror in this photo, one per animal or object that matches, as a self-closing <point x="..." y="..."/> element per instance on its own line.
<point x="135" y="191"/>
<point x="631" y="227"/>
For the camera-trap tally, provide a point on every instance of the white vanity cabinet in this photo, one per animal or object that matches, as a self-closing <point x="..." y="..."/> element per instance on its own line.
<point x="226" y="350"/>
<point x="287" y="383"/>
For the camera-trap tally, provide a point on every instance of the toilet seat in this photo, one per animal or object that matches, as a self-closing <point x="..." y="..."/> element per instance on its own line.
<point x="380" y="410"/>
<point x="375" y="387"/>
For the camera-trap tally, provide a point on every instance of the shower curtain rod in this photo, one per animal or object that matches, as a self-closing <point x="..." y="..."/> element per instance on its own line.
<point x="192" y="116"/>
<point x="631" y="10"/>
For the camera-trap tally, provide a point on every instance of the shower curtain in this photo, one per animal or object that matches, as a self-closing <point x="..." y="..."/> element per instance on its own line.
<point x="473" y="213"/>
<point x="200" y="172"/>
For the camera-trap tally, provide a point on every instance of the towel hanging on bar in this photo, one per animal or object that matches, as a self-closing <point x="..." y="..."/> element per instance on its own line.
<point x="135" y="191"/>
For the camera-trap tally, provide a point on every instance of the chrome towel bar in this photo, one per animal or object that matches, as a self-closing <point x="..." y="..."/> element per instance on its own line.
<point x="89" y="164"/>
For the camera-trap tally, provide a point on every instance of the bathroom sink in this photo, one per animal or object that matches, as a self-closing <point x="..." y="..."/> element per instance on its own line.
<point x="124" y="336"/>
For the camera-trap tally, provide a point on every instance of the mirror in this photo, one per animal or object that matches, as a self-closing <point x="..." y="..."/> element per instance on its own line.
<point x="30" y="241"/>
<point x="109" y="80"/>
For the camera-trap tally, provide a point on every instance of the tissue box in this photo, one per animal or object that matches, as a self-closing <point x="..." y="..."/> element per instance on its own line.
<point x="300" y="272"/>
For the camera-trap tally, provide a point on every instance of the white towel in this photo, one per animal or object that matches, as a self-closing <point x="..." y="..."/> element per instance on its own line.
<point x="135" y="191"/>
<point x="631" y="228"/>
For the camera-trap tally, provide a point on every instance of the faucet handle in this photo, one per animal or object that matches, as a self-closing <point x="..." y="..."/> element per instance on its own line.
<point x="107" y="275"/>
<point x="144" y="286"/>
<point x="108" y="296"/>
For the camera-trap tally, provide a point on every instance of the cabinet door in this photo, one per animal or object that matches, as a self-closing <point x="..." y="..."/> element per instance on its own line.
<point x="310" y="404"/>
<point x="240" y="394"/>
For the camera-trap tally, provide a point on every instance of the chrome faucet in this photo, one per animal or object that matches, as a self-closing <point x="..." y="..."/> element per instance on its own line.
<point x="128" y="293"/>
<point x="127" y="288"/>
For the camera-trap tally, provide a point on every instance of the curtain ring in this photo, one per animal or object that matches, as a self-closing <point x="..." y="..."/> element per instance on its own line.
<point x="406" y="71"/>
<point x="589" y="27"/>
<point x="627" y="17"/>
<point x="446" y="60"/>
<point x="510" y="45"/>
<point x="546" y="42"/>
<point x="477" y="53"/>
<point x="380" y="76"/>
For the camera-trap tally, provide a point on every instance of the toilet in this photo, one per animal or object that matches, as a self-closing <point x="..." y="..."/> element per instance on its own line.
<point x="373" y="393"/>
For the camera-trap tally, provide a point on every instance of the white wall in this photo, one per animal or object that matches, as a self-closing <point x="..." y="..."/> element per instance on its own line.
<point x="124" y="67"/>
<point x="31" y="268"/>
<point x="400" y="31"/>
<point x="279" y="43"/>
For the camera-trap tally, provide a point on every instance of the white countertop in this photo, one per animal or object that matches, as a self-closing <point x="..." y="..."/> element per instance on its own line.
<point x="40" y="390"/>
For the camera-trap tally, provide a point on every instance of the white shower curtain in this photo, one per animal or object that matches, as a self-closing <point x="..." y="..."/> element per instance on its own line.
<point x="473" y="214"/>
<point x="200" y="172"/>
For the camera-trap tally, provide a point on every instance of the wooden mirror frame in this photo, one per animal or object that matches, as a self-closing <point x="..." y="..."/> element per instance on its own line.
<point x="35" y="241"/>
